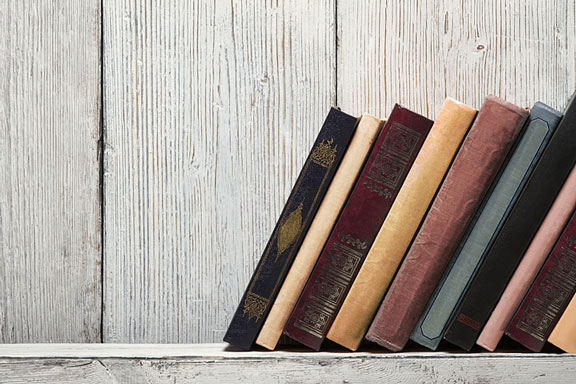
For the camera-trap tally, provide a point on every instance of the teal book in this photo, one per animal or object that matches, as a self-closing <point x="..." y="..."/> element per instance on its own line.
<point x="486" y="225"/>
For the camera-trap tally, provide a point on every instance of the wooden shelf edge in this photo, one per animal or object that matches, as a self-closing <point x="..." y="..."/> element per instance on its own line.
<point x="217" y="363"/>
<point x="224" y="351"/>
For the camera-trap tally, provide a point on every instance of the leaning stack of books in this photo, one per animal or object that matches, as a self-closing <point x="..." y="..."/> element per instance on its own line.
<point x="459" y="229"/>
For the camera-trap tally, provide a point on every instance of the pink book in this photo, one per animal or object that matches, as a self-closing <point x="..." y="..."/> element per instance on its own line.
<point x="531" y="263"/>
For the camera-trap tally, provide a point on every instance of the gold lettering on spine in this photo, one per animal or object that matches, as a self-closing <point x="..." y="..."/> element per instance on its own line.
<point x="351" y="240"/>
<point x="380" y="190"/>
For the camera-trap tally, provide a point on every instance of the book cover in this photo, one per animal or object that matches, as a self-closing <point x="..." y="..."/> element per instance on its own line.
<point x="369" y="203"/>
<point x="290" y="229"/>
<point x="549" y="295"/>
<point x="319" y="230"/>
<point x="422" y="182"/>
<point x="485" y="226"/>
<point x="477" y="163"/>
<point x="514" y="238"/>
<point x="531" y="263"/>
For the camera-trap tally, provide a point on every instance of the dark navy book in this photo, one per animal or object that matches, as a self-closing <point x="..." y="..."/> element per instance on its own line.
<point x="291" y="228"/>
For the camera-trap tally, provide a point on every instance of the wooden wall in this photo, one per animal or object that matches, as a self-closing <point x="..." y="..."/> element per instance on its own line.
<point x="50" y="206"/>
<point x="147" y="148"/>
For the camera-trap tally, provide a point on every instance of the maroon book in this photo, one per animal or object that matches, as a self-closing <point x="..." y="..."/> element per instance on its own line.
<point x="549" y="295"/>
<point x="370" y="201"/>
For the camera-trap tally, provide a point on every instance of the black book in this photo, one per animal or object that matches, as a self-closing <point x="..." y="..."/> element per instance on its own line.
<point x="291" y="228"/>
<point x="516" y="234"/>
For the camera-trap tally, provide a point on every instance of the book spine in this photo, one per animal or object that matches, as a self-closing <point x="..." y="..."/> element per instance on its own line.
<point x="430" y="166"/>
<point x="484" y="150"/>
<point x="518" y="230"/>
<point x="369" y="203"/>
<point x="320" y="229"/>
<point x="485" y="226"/>
<point x="531" y="263"/>
<point x="549" y="294"/>
<point x="564" y="334"/>
<point x="290" y="229"/>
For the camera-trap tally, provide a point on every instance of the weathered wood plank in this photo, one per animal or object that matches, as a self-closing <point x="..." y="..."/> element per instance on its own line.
<point x="418" y="52"/>
<point x="223" y="350"/>
<point x="210" y="108"/>
<point x="50" y="238"/>
<point x="212" y="364"/>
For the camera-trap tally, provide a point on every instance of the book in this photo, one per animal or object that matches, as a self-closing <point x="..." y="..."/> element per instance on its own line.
<point x="482" y="153"/>
<point x="418" y="190"/>
<point x="319" y="230"/>
<point x="514" y="238"/>
<point x="290" y="229"/>
<point x="564" y="334"/>
<point x="531" y="263"/>
<point x="549" y="295"/>
<point x="369" y="203"/>
<point x="486" y="224"/>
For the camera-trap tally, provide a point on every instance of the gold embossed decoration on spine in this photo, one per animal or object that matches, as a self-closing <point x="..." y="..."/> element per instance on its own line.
<point x="289" y="230"/>
<point x="324" y="154"/>
<point x="254" y="305"/>
<point x="329" y="285"/>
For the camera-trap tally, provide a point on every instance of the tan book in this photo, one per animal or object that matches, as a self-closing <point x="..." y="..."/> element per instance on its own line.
<point x="401" y="224"/>
<point x="564" y="334"/>
<point x="319" y="230"/>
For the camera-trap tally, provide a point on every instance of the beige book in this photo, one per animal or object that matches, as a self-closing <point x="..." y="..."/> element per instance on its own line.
<point x="401" y="224"/>
<point x="564" y="334"/>
<point x="319" y="231"/>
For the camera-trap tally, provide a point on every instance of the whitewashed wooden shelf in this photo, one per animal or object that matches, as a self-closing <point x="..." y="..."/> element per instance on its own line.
<point x="216" y="363"/>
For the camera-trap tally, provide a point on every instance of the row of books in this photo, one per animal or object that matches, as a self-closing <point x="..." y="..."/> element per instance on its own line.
<point x="461" y="229"/>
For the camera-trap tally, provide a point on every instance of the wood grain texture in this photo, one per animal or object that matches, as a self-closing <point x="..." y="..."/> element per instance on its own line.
<point x="418" y="52"/>
<point x="50" y="248"/>
<point x="212" y="364"/>
<point x="208" y="107"/>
